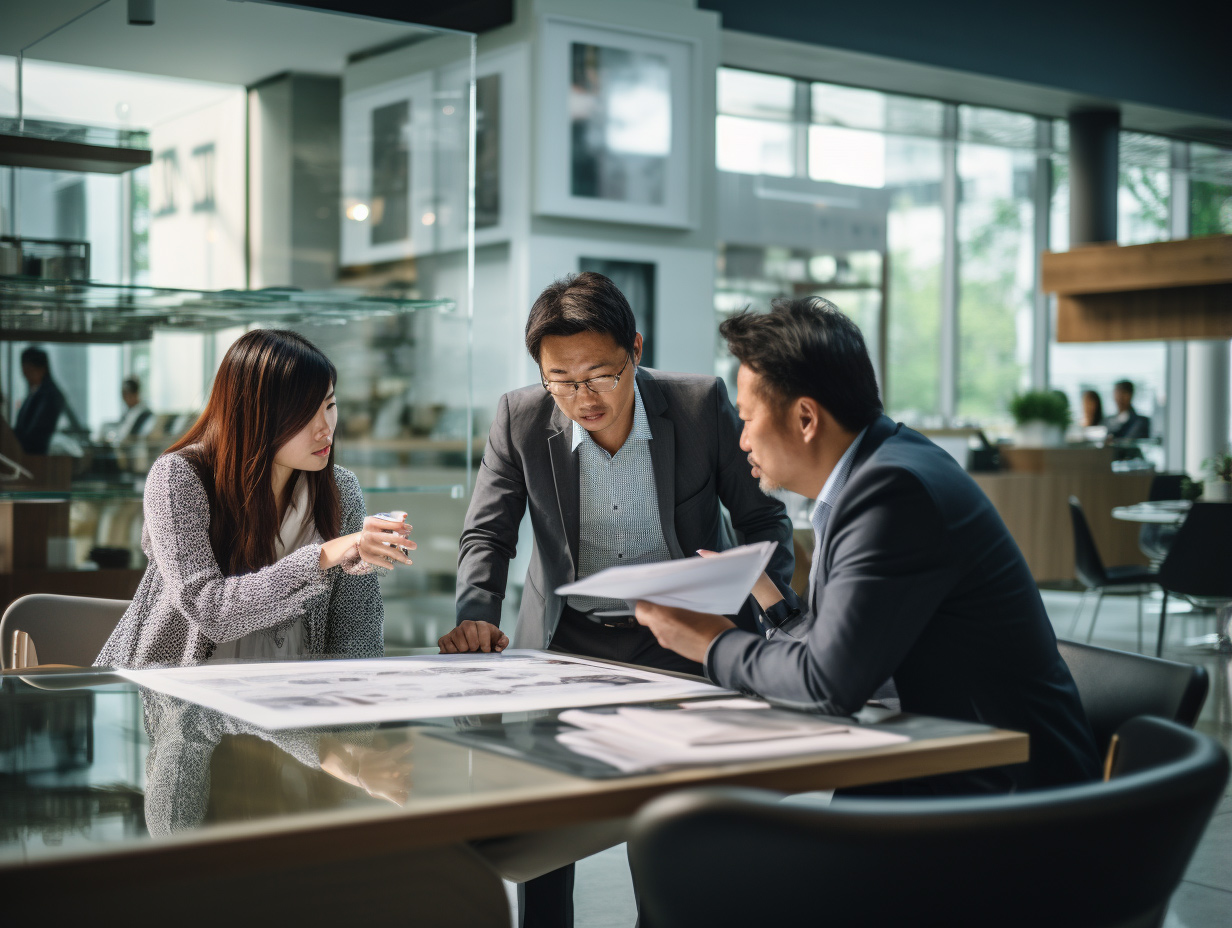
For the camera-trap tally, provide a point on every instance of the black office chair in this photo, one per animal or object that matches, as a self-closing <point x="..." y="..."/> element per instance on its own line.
<point x="1154" y="539"/>
<point x="1199" y="566"/>
<point x="1116" y="686"/>
<point x="1089" y="567"/>
<point x="1096" y="855"/>
<point x="1166" y="486"/>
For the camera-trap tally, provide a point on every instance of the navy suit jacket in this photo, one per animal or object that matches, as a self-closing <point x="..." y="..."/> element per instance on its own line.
<point x="919" y="580"/>
<point x="37" y="417"/>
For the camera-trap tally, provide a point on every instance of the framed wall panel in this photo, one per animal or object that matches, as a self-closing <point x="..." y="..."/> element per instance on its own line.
<point x="613" y="139"/>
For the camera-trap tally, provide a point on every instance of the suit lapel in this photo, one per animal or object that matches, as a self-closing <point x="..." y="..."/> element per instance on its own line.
<point x="877" y="433"/>
<point x="565" y="473"/>
<point x="662" y="457"/>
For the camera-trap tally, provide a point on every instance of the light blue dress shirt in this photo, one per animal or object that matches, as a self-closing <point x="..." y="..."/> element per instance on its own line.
<point x="829" y="495"/>
<point x="618" y="507"/>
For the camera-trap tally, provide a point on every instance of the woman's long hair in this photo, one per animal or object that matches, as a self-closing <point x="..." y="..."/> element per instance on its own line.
<point x="271" y="384"/>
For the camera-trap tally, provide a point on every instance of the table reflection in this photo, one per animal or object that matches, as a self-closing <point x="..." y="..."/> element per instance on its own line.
<point x="203" y="766"/>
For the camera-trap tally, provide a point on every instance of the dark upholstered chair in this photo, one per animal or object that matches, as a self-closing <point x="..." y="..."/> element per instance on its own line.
<point x="1096" y="855"/>
<point x="1197" y="565"/>
<point x="1116" y="686"/>
<point x="1100" y="580"/>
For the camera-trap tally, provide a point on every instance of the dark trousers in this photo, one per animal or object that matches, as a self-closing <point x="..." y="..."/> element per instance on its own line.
<point x="548" y="900"/>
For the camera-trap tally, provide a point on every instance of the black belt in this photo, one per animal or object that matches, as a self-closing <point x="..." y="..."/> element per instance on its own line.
<point x="607" y="620"/>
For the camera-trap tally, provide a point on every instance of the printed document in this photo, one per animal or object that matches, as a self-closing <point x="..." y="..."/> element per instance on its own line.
<point x="634" y="739"/>
<point x="310" y="694"/>
<point x="718" y="584"/>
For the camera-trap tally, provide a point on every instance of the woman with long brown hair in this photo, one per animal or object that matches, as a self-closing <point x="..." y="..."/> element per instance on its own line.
<point x="257" y="542"/>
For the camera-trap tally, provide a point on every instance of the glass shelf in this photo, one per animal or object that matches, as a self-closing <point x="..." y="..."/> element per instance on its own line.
<point x="75" y="310"/>
<point x="49" y="130"/>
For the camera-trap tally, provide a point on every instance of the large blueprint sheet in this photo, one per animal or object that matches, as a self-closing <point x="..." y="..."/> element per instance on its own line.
<point x="309" y="694"/>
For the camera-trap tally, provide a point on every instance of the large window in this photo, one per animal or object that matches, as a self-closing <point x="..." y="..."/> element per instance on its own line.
<point x="1144" y="193"/>
<point x="963" y="189"/>
<point x="1210" y="190"/>
<point x="996" y="259"/>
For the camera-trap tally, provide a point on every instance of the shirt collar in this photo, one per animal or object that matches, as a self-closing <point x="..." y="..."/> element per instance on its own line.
<point x="641" y="424"/>
<point x="834" y="484"/>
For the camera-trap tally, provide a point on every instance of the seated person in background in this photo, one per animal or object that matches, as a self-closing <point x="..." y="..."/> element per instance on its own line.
<point x="1092" y="409"/>
<point x="39" y="413"/>
<point x="137" y="419"/>
<point x="619" y="464"/>
<point x="1127" y="424"/>
<point x="914" y="576"/>
<point x="257" y="542"/>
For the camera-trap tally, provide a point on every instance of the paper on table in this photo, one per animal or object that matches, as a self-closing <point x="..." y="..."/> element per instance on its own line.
<point x="607" y="738"/>
<point x="718" y="584"/>
<point x="703" y="725"/>
<point x="309" y="694"/>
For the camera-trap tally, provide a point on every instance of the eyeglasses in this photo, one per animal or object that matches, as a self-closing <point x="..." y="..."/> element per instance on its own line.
<point x="605" y="384"/>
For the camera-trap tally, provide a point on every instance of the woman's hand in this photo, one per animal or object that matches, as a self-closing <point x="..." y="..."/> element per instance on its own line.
<point x="764" y="590"/>
<point x="381" y="769"/>
<point x="381" y="543"/>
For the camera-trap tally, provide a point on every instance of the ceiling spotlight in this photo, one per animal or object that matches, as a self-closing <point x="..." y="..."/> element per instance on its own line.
<point x="141" y="12"/>
<point x="447" y="110"/>
<point x="429" y="218"/>
<point x="357" y="211"/>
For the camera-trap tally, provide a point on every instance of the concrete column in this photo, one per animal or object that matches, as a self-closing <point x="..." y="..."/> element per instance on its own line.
<point x="1208" y="401"/>
<point x="1094" y="145"/>
<point x="294" y="164"/>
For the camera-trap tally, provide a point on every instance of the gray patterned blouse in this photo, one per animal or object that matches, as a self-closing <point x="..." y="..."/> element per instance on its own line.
<point x="185" y="605"/>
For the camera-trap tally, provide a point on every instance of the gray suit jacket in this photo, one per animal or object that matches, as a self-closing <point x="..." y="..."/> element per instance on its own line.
<point x="185" y="605"/>
<point x="919" y="580"/>
<point x="697" y="464"/>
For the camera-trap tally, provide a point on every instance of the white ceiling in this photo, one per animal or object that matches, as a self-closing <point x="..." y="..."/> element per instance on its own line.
<point x="212" y="40"/>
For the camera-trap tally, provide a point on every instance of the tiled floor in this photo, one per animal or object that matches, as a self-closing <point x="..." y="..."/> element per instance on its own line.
<point x="604" y="891"/>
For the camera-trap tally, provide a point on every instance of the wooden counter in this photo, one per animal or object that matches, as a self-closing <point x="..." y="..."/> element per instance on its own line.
<point x="1033" y="499"/>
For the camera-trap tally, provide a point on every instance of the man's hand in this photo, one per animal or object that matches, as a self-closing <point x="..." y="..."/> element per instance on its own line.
<point x="687" y="633"/>
<point x="473" y="636"/>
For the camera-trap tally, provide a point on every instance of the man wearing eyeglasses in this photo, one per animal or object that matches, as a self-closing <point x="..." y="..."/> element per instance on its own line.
<point x="619" y="465"/>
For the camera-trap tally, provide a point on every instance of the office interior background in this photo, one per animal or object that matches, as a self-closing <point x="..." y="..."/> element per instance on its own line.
<point x="399" y="180"/>
<point x="712" y="163"/>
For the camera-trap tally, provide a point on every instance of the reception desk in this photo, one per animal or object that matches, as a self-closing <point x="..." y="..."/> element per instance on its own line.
<point x="1032" y="494"/>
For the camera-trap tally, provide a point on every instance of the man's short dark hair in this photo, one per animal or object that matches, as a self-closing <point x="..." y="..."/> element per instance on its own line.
<point x="585" y="302"/>
<point x="36" y="357"/>
<point x="130" y="385"/>
<point x="807" y="347"/>
<point x="1126" y="385"/>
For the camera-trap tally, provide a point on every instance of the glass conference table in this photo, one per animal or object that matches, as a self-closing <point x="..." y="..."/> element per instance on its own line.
<point x="110" y="796"/>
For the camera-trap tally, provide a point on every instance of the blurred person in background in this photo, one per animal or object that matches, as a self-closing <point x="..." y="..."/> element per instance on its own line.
<point x="43" y="405"/>
<point x="137" y="419"/>
<point x="1127" y="424"/>
<point x="1092" y="409"/>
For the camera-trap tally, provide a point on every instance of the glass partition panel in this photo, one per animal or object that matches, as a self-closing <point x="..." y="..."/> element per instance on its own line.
<point x="307" y="170"/>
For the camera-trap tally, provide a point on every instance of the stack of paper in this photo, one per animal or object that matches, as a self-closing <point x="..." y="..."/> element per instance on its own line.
<point x="633" y="739"/>
<point x="717" y="584"/>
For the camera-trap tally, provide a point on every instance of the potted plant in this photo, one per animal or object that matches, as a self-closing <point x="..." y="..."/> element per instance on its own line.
<point x="1218" y="485"/>
<point x="1041" y="416"/>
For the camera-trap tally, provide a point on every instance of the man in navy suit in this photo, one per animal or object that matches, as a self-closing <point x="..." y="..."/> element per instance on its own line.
<point x="915" y="579"/>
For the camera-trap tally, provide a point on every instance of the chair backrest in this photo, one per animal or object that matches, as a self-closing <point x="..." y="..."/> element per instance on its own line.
<point x="1198" y="561"/>
<point x="1166" y="486"/>
<point x="1088" y="565"/>
<point x="1098" y="854"/>
<point x="64" y="629"/>
<point x="1116" y="686"/>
